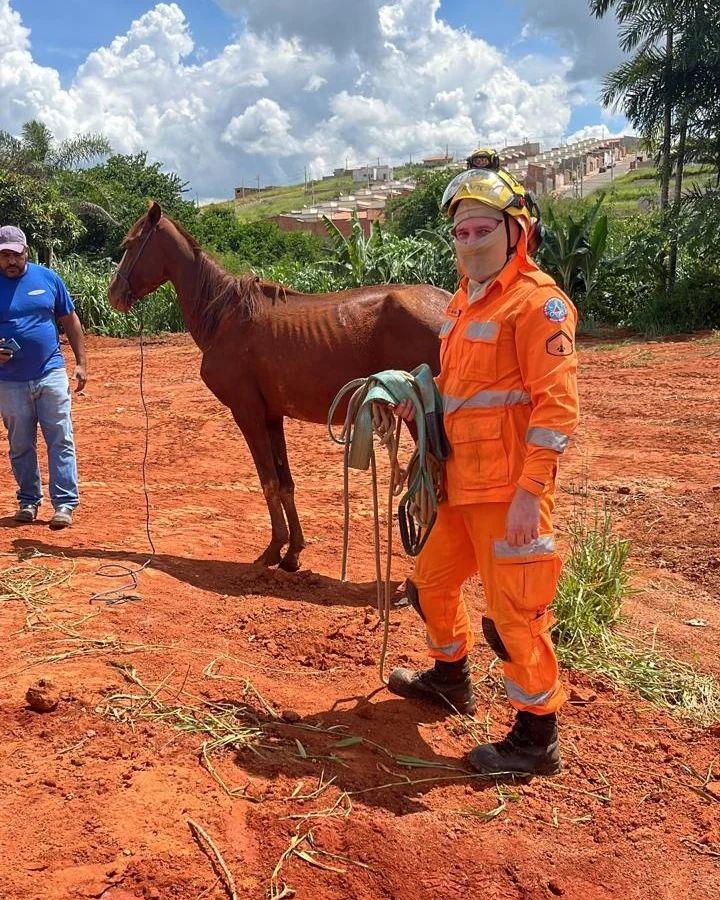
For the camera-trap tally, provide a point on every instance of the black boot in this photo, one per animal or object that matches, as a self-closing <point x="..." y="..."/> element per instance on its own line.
<point x="531" y="748"/>
<point x="448" y="684"/>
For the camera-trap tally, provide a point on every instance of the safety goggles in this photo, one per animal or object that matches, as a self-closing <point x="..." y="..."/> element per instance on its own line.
<point x="483" y="185"/>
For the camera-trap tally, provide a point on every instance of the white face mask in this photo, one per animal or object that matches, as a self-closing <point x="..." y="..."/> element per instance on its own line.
<point x="485" y="257"/>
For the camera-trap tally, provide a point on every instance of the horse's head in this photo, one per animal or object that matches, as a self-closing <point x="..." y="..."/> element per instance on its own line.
<point x="141" y="269"/>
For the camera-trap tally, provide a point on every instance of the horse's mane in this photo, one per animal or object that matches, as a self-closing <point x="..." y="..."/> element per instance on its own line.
<point x="219" y="294"/>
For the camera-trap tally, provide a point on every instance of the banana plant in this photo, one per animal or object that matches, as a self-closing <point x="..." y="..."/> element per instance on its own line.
<point x="574" y="248"/>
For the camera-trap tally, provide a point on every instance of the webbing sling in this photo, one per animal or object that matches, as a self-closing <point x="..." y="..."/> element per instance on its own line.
<point x="392" y="387"/>
<point x="367" y="414"/>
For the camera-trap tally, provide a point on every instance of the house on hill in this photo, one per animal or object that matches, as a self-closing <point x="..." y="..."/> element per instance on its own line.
<point x="373" y="174"/>
<point x="432" y="162"/>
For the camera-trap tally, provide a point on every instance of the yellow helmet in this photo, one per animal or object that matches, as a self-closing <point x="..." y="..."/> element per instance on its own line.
<point x="493" y="160"/>
<point x="499" y="190"/>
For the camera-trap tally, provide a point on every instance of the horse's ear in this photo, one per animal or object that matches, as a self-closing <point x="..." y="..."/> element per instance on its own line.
<point x="154" y="213"/>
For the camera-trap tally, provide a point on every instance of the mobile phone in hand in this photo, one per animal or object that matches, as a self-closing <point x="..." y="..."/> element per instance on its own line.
<point x="9" y="344"/>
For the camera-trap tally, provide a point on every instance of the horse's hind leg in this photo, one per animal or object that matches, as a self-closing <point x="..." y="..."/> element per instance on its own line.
<point x="291" y="560"/>
<point x="251" y="422"/>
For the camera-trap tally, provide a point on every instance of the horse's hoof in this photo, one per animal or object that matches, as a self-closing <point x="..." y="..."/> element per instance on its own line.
<point x="290" y="562"/>
<point x="269" y="558"/>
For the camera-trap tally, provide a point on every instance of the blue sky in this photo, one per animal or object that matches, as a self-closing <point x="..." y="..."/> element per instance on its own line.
<point x="486" y="69"/>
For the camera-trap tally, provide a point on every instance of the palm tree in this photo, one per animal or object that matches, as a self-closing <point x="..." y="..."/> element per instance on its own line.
<point x="36" y="154"/>
<point x="669" y="86"/>
<point x="649" y="28"/>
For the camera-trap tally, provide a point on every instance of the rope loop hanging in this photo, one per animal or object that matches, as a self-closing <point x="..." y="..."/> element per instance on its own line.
<point x="370" y="415"/>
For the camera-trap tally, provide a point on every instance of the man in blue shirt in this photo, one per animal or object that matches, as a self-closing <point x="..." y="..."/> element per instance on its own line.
<point x="34" y="388"/>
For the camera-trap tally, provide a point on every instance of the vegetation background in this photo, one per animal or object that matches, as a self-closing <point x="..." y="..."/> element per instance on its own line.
<point x="640" y="256"/>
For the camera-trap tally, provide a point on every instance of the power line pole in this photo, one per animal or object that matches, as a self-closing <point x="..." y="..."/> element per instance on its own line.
<point x="258" y="183"/>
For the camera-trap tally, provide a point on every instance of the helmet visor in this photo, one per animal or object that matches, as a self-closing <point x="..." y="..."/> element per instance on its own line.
<point x="482" y="185"/>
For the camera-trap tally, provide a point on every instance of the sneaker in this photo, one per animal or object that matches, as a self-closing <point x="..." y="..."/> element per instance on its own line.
<point x="26" y="512"/>
<point x="530" y="748"/>
<point x="446" y="684"/>
<point x="62" y="518"/>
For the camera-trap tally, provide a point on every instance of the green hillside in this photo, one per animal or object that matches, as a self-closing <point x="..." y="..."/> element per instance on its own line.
<point x="273" y="201"/>
<point x="625" y="193"/>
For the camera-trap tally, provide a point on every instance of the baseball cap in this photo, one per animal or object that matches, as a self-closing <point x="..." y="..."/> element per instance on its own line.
<point x="12" y="238"/>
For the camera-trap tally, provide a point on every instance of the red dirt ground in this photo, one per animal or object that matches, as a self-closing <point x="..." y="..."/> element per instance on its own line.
<point x="96" y="807"/>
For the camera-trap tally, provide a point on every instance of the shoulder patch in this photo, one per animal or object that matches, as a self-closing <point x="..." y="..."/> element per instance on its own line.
<point x="36" y="293"/>
<point x="559" y="344"/>
<point x="555" y="309"/>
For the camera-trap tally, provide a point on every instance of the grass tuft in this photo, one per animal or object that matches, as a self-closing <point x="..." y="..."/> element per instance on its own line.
<point x="589" y="636"/>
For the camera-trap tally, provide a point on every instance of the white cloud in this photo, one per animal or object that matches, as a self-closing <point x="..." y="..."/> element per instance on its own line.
<point x="596" y="132"/>
<point x="264" y="127"/>
<point x="591" y="43"/>
<point x="314" y="83"/>
<point x="308" y="83"/>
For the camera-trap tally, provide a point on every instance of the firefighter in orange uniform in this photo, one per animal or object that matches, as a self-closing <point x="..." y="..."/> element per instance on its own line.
<point x="508" y="381"/>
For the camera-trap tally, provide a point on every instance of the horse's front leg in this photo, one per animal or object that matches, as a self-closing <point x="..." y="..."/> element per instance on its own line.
<point x="255" y="432"/>
<point x="291" y="560"/>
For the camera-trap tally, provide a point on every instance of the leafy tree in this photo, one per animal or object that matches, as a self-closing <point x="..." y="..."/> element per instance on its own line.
<point x="254" y="245"/>
<point x="39" y="209"/>
<point x="128" y="183"/>
<point x="421" y="209"/>
<point x="669" y="87"/>
<point x="56" y="167"/>
<point x="645" y="82"/>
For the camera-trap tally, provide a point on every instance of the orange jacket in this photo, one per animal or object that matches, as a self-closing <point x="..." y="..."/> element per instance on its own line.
<point x="508" y="380"/>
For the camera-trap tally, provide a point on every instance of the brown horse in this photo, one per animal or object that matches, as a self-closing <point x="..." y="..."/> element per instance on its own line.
<point x="266" y="359"/>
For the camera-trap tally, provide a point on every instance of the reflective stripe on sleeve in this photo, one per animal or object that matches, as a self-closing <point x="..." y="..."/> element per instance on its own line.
<point x="516" y="693"/>
<point x="546" y="437"/>
<point x="539" y="546"/>
<point x="485" y="400"/>
<point x="482" y="331"/>
<point x="446" y="327"/>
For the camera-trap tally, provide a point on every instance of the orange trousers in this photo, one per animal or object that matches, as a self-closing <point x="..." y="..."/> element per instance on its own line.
<point x="519" y="583"/>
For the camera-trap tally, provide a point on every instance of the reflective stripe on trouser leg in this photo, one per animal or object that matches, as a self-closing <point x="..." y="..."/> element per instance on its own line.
<point x="445" y="562"/>
<point x="531" y="672"/>
<point x="518" y="590"/>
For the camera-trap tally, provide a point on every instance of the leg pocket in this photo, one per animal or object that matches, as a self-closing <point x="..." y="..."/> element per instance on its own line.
<point x="524" y="589"/>
<point x="528" y="582"/>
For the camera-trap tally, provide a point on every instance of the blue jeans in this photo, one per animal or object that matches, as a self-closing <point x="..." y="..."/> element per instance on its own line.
<point x="24" y="405"/>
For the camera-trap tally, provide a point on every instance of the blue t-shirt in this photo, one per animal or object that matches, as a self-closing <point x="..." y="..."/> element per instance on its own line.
<point x="29" y="308"/>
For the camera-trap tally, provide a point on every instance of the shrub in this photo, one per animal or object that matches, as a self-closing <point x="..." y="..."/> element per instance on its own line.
<point x="589" y="631"/>
<point x="88" y="282"/>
